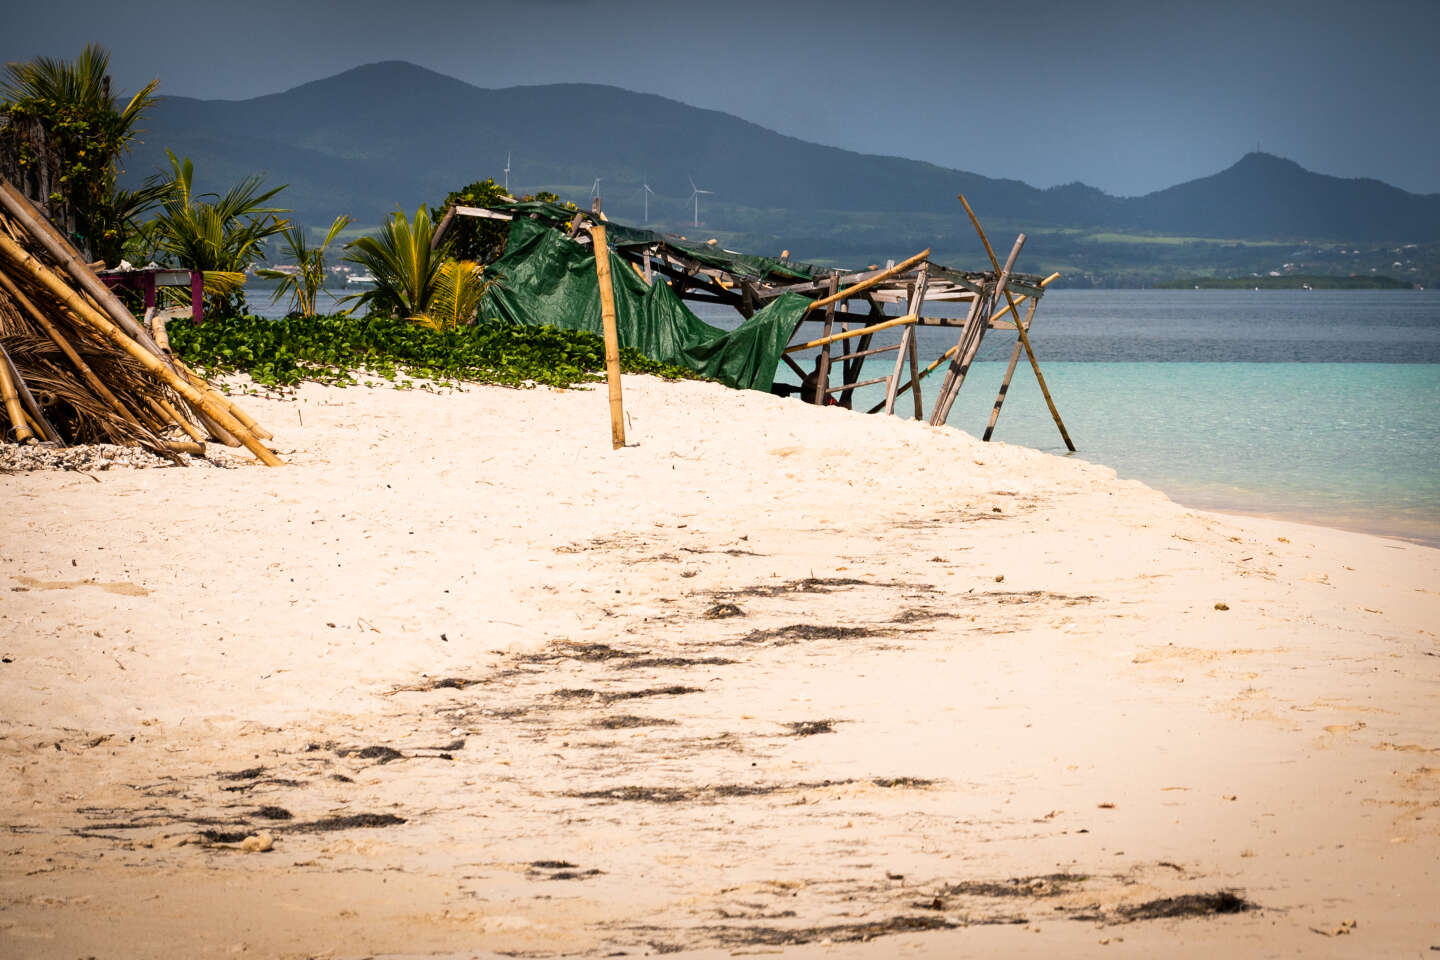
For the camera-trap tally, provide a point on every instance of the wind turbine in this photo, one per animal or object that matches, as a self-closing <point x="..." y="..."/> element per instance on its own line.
<point x="507" y="173"/>
<point x="695" y="195"/>
<point x="645" y="188"/>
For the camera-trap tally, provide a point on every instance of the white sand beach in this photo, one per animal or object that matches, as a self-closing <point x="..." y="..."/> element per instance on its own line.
<point x="773" y="679"/>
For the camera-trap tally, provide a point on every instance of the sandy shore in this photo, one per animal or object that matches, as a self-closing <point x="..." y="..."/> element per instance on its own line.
<point x="461" y="680"/>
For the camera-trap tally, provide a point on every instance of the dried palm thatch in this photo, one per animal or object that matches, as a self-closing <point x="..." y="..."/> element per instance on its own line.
<point x="77" y="367"/>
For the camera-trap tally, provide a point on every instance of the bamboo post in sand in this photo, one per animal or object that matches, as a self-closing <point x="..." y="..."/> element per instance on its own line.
<point x="977" y="310"/>
<point x="150" y="361"/>
<point x="1024" y="336"/>
<point x="612" y="335"/>
<point x="11" y="397"/>
<point x="1009" y="373"/>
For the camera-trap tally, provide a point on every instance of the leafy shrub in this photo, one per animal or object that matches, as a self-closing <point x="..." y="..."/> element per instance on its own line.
<point x="330" y="349"/>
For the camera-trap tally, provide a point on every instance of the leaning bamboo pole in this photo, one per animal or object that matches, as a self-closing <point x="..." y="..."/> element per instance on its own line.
<point x="1024" y="336"/>
<point x="840" y="296"/>
<point x="59" y="339"/>
<point x="69" y="259"/>
<point x="57" y="287"/>
<point x="857" y="332"/>
<point x="19" y="422"/>
<point x="994" y="318"/>
<point x="612" y="335"/>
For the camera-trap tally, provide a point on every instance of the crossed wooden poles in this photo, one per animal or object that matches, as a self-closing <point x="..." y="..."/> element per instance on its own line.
<point x="985" y="312"/>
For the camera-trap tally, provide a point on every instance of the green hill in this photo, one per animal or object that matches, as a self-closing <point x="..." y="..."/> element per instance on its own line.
<point x="394" y="134"/>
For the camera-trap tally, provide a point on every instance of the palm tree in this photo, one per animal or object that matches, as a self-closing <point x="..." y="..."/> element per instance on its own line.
<point x="458" y="290"/>
<point x="220" y="236"/>
<point x="309" y="276"/>
<point x="90" y="130"/>
<point x="404" y="265"/>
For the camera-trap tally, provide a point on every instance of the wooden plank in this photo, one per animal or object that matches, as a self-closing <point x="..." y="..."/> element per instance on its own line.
<point x="479" y="212"/>
<point x="915" y="376"/>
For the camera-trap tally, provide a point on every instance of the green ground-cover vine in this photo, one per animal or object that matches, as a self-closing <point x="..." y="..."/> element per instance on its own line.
<point x="331" y="349"/>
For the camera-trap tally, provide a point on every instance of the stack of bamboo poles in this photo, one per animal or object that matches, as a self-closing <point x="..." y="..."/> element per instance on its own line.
<point x="77" y="367"/>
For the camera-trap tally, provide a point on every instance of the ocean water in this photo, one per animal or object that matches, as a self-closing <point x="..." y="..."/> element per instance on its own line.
<point x="1319" y="406"/>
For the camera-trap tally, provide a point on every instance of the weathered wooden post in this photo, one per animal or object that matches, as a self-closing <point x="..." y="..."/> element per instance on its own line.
<point x="612" y="336"/>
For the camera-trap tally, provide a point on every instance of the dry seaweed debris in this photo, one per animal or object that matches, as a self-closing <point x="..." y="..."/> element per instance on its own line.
<point x="77" y="368"/>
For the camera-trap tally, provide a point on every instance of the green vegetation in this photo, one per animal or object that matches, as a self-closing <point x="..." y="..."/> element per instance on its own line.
<point x="332" y="349"/>
<point x="309" y="276"/>
<point x="221" y="235"/>
<point x="89" y="132"/>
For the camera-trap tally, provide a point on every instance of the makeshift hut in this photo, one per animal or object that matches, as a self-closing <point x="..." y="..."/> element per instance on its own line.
<point x="835" y="319"/>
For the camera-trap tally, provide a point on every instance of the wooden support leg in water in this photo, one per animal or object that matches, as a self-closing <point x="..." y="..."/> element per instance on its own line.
<point x="1024" y="336"/>
<point x="962" y="343"/>
<point x="1009" y="373"/>
<point x="612" y="336"/>
<point x="960" y="366"/>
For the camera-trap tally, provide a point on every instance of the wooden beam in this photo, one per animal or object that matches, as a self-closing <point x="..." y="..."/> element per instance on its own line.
<point x="960" y="365"/>
<point x="822" y="366"/>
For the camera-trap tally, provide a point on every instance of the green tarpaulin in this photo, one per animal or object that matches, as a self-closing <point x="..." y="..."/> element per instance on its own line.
<point x="548" y="279"/>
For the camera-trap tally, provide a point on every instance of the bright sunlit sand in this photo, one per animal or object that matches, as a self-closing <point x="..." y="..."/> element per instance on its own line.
<point x="772" y="679"/>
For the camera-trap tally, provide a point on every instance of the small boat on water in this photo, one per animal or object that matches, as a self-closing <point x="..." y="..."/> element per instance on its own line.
<point x="359" y="278"/>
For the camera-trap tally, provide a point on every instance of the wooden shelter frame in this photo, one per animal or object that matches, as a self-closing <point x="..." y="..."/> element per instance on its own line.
<point x="850" y="307"/>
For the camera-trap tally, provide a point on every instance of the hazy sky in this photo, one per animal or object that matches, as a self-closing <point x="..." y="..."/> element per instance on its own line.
<point x="1126" y="96"/>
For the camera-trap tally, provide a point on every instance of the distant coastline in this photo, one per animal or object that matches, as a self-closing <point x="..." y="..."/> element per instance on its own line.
<point x="1288" y="282"/>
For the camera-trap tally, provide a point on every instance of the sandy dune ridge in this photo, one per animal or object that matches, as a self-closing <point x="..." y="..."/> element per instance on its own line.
<point x="461" y="680"/>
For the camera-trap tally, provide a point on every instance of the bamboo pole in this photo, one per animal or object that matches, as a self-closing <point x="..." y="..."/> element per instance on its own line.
<point x="1009" y="374"/>
<point x="55" y="243"/>
<point x="1024" y="336"/>
<point x="915" y="300"/>
<point x="169" y="413"/>
<point x="74" y="357"/>
<point x="960" y="366"/>
<point x="11" y="397"/>
<point x="867" y="283"/>
<point x="612" y="335"/>
<point x="994" y="318"/>
<point x="822" y="362"/>
<point x="150" y="361"/>
<point x="38" y="421"/>
<point x="857" y="332"/>
<point x="199" y="383"/>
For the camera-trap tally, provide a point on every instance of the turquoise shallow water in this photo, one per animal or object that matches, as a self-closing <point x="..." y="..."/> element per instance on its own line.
<point x="1348" y="445"/>
<point x="1322" y="407"/>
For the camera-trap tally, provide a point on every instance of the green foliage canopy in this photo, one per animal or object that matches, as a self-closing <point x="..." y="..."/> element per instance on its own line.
<point x="91" y="131"/>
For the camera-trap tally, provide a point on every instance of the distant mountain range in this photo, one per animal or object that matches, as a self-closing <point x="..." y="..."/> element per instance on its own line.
<point x="392" y="134"/>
